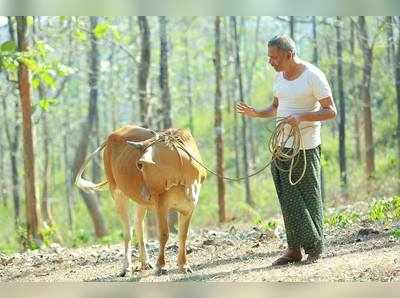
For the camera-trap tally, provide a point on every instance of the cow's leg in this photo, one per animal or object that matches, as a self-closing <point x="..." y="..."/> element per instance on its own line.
<point x="143" y="258"/>
<point x="163" y="234"/>
<point x="184" y="221"/>
<point x="121" y="202"/>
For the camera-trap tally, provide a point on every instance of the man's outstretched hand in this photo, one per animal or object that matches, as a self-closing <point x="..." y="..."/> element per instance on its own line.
<point x="246" y="110"/>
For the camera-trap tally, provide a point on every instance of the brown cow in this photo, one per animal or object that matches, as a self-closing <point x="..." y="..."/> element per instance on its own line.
<point x="156" y="170"/>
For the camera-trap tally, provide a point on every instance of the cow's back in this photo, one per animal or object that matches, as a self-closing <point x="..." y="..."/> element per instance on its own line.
<point x="173" y="166"/>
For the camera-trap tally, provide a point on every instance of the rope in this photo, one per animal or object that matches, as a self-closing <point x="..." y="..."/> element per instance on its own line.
<point x="276" y="145"/>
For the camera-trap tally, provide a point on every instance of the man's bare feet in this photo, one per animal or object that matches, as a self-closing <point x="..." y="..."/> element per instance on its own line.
<point x="291" y="256"/>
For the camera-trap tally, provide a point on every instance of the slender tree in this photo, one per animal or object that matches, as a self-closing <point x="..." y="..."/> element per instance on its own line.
<point x="44" y="200"/>
<point x="144" y="68"/>
<point x="354" y="91"/>
<point x="24" y="86"/>
<point x="189" y="93"/>
<point x="315" y="40"/>
<point x="90" y="199"/>
<point x="165" y="95"/>
<point x="367" y="49"/>
<point x="395" y="57"/>
<point x="342" y="108"/>
<point x="292" y="27"/>
<point x="249" y="199"/>
<point x="218" y="127"/>
<point x="251" y="72"/>
<point x="163" y="81"/>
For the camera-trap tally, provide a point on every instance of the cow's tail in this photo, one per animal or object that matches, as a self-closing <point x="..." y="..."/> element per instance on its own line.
<point x="87" y="185"/>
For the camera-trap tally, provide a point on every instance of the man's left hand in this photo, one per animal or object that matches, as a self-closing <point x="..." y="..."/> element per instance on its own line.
<point x="293" y="119"/>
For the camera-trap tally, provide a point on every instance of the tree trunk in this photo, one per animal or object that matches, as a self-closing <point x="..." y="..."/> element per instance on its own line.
<point x="3" y="183"/>
<point x="342" y="109"/>
<point x="367" y="70"/>
<point x="291" y="27"/>
<point x="249" y="199"/>
<point x="164" y="84"/>
<point x="397" y="78"/>
<point x="67" y="171"/>
<point x="248" y="92"/>
<point x="44" y="202"/>
<point x="90" y="199"/>
<point x="395" y="57"/>
<point x="355" y="91"/>
<point x="233" y="94"/>
<point x="144" y="68"/>
<point x="189" y="85"/>
<point x="24" y="85"/>
<point x="390" y="48"/>
<point x="45" y="207"/>
<point x="315" y="40"/>
<point x="227" y="72"/>
<point x="13" y="141"/>
<point x="218" y="127"/>
<point x="165" y="96"/>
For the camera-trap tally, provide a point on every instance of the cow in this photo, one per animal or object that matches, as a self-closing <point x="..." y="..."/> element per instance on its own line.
<point x="157" y="170"/>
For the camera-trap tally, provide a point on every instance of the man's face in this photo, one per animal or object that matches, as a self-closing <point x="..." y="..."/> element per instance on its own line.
<point x="278" y="59"/>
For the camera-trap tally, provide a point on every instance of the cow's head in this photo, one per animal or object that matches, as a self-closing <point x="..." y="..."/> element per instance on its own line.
<point x="146" y="148"/>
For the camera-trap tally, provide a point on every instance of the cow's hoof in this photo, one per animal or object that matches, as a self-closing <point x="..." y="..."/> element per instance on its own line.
<point x="185" y="270"/>
<point x="161" y="271"/>
<point x="143" y="267"/>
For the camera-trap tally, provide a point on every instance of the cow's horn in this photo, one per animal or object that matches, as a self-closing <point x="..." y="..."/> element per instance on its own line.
<point x="136" y="145"/>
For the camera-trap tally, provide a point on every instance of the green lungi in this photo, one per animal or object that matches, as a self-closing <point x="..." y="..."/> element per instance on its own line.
<point x="301" y="204"/>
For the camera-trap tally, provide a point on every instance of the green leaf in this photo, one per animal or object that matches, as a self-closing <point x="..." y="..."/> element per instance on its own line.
<point x="35" y="82"/>
<point x="48" y="79"/>
<point x="64" y="70"/>
<point x="29" y="20"/>
<point x="46" y="103"/>
<point x="116" y="34"/>
<point x="80" y="35"/>
<point x="101" y="29"/>
<point x="8" y="46"/>
<point x="30" y="63"/>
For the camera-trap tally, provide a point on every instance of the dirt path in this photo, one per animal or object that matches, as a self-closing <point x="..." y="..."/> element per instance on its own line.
<point x="231" y="254"/>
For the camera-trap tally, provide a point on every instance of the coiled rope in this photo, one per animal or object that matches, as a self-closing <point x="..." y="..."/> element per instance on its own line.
<point x="276" y="145"/>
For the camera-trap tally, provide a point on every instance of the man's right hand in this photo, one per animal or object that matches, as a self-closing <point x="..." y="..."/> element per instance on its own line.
<point x="246" y="110"/>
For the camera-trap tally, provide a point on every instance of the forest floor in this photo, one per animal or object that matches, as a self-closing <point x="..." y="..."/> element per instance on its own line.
<point x="365" y="251"/>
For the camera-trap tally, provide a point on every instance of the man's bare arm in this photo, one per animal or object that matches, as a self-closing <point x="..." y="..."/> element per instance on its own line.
<point x="249" y="111"/>
<point x="327" y="112"/>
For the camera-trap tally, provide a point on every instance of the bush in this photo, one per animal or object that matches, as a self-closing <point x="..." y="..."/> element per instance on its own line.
<point x="385" y="209"/>
<point x="342" y="219"/>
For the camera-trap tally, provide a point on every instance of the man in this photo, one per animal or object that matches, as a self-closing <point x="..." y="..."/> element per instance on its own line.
<point x="302" y="95"/>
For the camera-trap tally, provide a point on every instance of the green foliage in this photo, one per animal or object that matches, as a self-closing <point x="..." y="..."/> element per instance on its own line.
<point x="80" y="35"/>
<point x="379" y="210"/>
<point x="269" y="225"/>
<point x="81" y="237"/>
<point x="101" y="30"/>
<point x="342" y="219"/>
<point x="8" y="46"/>
<point x="385" y="209"/>
<point x="49" y="233"/>
<point x="45" y="103"/>
<point x="395" y="233"/>
<point x="21" y="235"/>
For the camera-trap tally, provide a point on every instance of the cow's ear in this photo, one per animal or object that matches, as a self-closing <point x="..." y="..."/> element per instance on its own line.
<point x="136" y="145"/>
